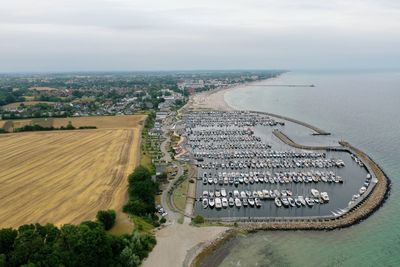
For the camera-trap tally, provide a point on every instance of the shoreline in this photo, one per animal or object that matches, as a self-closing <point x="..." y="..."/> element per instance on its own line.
<point x="215" y="100"/>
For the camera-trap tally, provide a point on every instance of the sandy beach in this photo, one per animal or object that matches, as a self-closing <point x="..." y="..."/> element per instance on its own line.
<point x="178" y="244"/>
<point x="211" y="100"/>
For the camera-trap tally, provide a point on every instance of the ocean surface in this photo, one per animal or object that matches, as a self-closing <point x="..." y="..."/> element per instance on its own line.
<point x="360" y="107"/>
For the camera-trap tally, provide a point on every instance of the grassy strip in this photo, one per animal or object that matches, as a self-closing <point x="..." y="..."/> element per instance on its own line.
<point x="180" y="194"/>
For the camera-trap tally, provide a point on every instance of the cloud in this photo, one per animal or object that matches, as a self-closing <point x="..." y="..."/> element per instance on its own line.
<point x="179" y="34"/>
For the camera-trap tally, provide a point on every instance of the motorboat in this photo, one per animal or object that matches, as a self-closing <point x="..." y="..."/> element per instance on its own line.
<point x="302" y="200"/>
<point x="211" y="193"/>
<point x="238" y="203"/>
<point x="362" y="190"/>
<point x="324" y="196"/>
<point x="251" y="201"/>
<point x="205" y="203"/>
<point x="218" y="203"/>
<point x="211" y="202"/>
<point x="309" y="201"/>
<point x="291" y="202"/>
<point x="223" y="192"/>
<point x="285" y="202"/>
<point x="231" y="202"/>
<point x="217" y="193"/>
<point x="278" y="203"/>
<point x="258" y="202"/>
<point x="315" y="192"/>
<point x="224" y="202"/>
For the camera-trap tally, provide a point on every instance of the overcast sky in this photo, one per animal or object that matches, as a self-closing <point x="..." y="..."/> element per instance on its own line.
<point x="74" y="35"/>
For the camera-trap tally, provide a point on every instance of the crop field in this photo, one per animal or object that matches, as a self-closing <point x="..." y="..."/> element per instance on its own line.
<point x="28" y="103"/>
<point x="67" y="176"/>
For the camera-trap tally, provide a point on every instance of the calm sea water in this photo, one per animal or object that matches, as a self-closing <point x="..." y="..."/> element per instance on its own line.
<point x="361" y="107"/>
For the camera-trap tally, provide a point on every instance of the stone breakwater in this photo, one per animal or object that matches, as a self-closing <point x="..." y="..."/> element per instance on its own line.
<point x="358" y="213"/>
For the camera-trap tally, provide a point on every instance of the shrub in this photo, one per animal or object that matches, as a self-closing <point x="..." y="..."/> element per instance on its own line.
<point x="163" y="220"/>
<point x="107" y="218"/>
<point x="198" y="219"/>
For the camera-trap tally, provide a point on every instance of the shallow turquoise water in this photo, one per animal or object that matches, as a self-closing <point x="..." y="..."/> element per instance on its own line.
<point x="363" y="108"/>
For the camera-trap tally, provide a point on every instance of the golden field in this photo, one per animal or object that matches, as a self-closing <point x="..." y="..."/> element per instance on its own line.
<point x="67" y="176"/>
<point x="28" y="103"/>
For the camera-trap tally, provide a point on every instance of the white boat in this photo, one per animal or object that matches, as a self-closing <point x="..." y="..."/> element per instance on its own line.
<point x="309" y="201"/>
<point x="251" y="201"/>
<point x="260" y="194"/>
<point x="211" y="193"/>
<point x="315" y="192"/>
<point x="205" y="203"/>
<point x="258" y="202"/>
<point x="235" y="193"/>
<point x="302" y="201"/>
<point x="238" y="203"/>
<point x="231" y="202"/>
<point x="223" y="192"/>
<point x="205" y="193"/>
<point x="266" y="194"/>
<point x="242" y="194"/>
<point x="218" y="203"/>
<point x="291" y="202"/>
<point x="217" y="193"/>
<point x="285" y="202"/>
<point x="362" y="190"/>
<point x="211" y="202"/>
<point x="224" y="202"/>
<point x="278" y="203"/>
<point x="324" y="196"/>
<point x="245" y="202"/>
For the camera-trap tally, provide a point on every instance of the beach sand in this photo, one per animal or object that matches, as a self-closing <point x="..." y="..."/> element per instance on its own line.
<point x="178" y="244"/>
<point x="211" y="100"/>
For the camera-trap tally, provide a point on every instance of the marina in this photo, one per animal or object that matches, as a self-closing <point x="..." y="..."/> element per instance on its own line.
<point x="244" y="171"/>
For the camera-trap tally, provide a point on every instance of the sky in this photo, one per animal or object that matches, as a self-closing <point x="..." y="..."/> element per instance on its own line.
<point x="112" y="35"/>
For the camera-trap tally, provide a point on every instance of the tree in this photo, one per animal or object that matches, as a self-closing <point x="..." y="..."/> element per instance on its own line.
<point x="107" y="218"/>
<point x="7" y="239"/>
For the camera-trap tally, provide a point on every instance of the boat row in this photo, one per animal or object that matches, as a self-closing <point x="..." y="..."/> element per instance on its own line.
<point x="261" y="194"/>
<point x="273" y="154"/>
<point x="272" y="163"/>
<point x="225" y="202"/>
<point x="228" y="119"/>
<point x="278" y="178"/>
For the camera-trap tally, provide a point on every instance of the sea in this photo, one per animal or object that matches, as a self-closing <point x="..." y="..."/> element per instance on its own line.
<point x="362" y="107"/>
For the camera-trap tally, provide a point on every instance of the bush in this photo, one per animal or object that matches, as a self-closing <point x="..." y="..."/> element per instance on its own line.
<point x="142" y="191"/>
<point x="198" y="219"/>
<point x="107" y="218"/>
<point x="163" y="220"/>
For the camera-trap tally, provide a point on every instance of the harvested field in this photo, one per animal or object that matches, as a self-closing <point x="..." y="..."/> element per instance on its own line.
<point x="101" y="122"/>
<point x="67" y="176"/>
<point x="28" y="103"/>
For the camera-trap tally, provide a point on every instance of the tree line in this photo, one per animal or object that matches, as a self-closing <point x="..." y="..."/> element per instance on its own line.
<point x="86" y="244"/>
